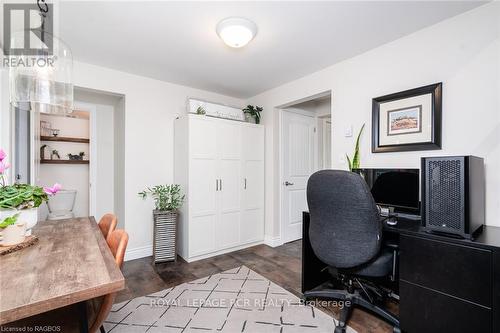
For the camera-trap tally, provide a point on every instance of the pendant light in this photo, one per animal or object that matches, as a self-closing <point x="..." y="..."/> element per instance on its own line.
<point x="41" y="77"/>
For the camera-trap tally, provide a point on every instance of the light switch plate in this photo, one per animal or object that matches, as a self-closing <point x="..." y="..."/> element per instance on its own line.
<point x="348" y="131"/>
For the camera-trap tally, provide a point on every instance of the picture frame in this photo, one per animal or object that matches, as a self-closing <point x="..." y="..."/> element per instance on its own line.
<point x="409" y="120"/>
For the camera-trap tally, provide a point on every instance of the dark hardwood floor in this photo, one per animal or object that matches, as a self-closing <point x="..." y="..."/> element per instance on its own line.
<point x="281" y="265"/>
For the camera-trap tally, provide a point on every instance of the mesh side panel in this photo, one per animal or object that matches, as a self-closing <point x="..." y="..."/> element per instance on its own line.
<point x="445" y="185"/>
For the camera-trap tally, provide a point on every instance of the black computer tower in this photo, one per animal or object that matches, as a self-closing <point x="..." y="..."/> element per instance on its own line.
<point x="453" y="195"/>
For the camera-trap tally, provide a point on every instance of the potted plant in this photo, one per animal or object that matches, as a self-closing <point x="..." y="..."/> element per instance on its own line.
<point x="168" y="199"/>
<point x="253" y="113"/>
<point x="201" y="110"/>
<point x="354" y="163"/>
<point x="21" y="199"/>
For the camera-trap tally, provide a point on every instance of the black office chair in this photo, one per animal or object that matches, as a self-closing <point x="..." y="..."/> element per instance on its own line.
<point x="346" y="234"/>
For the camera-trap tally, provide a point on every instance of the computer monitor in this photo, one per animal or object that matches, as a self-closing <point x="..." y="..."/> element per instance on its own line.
<point x="394" y="188"/>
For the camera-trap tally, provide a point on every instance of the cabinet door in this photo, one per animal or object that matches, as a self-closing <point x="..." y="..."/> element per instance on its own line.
<point x="425" y="310"/>
<point x="253" y="184"/>
<point x="252" y="222"/>
<point x="253" y="142"/>
<point x="228" y="228"/>
<point x="202" y="206"/>
<point x="228" y="140"/>
<point x="229" y="194"/>
<point x="202" y="138"/>
<point x="252" y="225"/>
<point x="202" y="186"/>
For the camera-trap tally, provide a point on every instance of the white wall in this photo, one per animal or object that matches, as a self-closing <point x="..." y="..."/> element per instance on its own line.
<point x="150" y="109"/>
<point x="462" y="52"/>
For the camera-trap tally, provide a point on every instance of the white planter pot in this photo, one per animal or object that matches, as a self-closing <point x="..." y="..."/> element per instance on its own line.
<point x="250" y="119"/>
<point x="13" y="234"/>
<point x="27" y="216"/>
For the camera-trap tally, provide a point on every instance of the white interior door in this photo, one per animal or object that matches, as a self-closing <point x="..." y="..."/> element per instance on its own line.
<point x="297" y="144"/>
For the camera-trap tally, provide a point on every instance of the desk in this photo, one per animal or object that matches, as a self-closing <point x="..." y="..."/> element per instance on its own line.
<point x="69" y="264"/>
<point x="445" y="284"/>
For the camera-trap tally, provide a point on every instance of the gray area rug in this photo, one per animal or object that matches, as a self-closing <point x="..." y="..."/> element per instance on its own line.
<point x="237" y="300"/>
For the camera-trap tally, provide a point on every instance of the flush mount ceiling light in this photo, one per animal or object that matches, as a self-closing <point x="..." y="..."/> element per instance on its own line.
<point x="236" y="31"/>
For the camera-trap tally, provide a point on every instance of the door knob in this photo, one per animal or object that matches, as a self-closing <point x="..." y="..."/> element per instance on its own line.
<point x="287" y="183"/>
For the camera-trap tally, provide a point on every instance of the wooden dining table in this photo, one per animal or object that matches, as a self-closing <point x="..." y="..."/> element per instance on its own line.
<point x="71" y="263"/>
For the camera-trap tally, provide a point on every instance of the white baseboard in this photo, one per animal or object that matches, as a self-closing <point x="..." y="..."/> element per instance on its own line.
<point x="216" y="253"/>
<point x="272" y="241"/>
<point x="139" y="252"/>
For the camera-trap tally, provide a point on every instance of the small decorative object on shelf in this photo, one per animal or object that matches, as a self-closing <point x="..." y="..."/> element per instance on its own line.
<point x="54" y="153"/>
<point x="55" y="132"/>
<point x="201" y="110"/>
<point x="168" y="199"/>
<point x="354" y="163"/>
<point x="42" y="152"/>
<point x="45" y="128"/>
<point x="19" y="202"/>
<point x="78" y="157"/>
<point x="253" y="113"/>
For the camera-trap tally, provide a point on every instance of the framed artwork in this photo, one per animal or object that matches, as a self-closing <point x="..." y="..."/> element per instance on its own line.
<point x="408" y="120"/>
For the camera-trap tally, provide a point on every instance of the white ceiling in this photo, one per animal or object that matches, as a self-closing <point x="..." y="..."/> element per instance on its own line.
<point x="176" y="41"/>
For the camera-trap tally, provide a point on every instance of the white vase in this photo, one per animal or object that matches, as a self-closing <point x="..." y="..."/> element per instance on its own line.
<point x="27" y="216"/>
<point x="13" y="234"/>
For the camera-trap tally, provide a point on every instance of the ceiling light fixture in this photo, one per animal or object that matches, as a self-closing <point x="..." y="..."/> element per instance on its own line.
<point x="236" y="31"/>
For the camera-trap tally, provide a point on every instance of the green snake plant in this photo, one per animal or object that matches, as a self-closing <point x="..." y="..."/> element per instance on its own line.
<point x="354" y="163"/>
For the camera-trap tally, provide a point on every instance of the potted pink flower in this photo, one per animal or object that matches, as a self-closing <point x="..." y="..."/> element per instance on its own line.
<point x="21" y="199"/>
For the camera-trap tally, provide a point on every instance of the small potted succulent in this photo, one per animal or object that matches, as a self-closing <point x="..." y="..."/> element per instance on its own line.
<point x="168" y="199"/>
<point x="253" y="113"/>
<point x="21" y="200"/>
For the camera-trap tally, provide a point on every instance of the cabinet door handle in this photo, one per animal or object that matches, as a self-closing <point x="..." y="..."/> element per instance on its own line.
<point x="220" y="184"/>
<point x="245" y="183"/>
<point x="216" y="185"/>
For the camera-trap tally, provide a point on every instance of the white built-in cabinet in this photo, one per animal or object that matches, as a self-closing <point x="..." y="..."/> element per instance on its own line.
<point x="220" y="166"/>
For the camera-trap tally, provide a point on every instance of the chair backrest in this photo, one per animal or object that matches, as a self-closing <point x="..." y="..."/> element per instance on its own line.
<point x="345" y="230"/>
<point x="117" y="242"/>
<point x="107" y="224"/>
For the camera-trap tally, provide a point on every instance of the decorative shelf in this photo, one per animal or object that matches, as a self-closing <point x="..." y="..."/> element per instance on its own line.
<point x="64" y="161"/>
<point x="64" y="139"/>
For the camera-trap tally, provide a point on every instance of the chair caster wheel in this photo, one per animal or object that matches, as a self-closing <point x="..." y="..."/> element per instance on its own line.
<point x="396" y="330"/>
<point x="339" y="329"/>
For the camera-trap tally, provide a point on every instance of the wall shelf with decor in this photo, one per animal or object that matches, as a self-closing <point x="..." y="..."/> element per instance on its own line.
<point x="64" y="139"/>
<point x="64" y="161"/>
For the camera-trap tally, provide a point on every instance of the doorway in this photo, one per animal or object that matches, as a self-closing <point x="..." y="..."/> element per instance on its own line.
<point x="305" y="147"/>
<point x="66" y="158"/>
